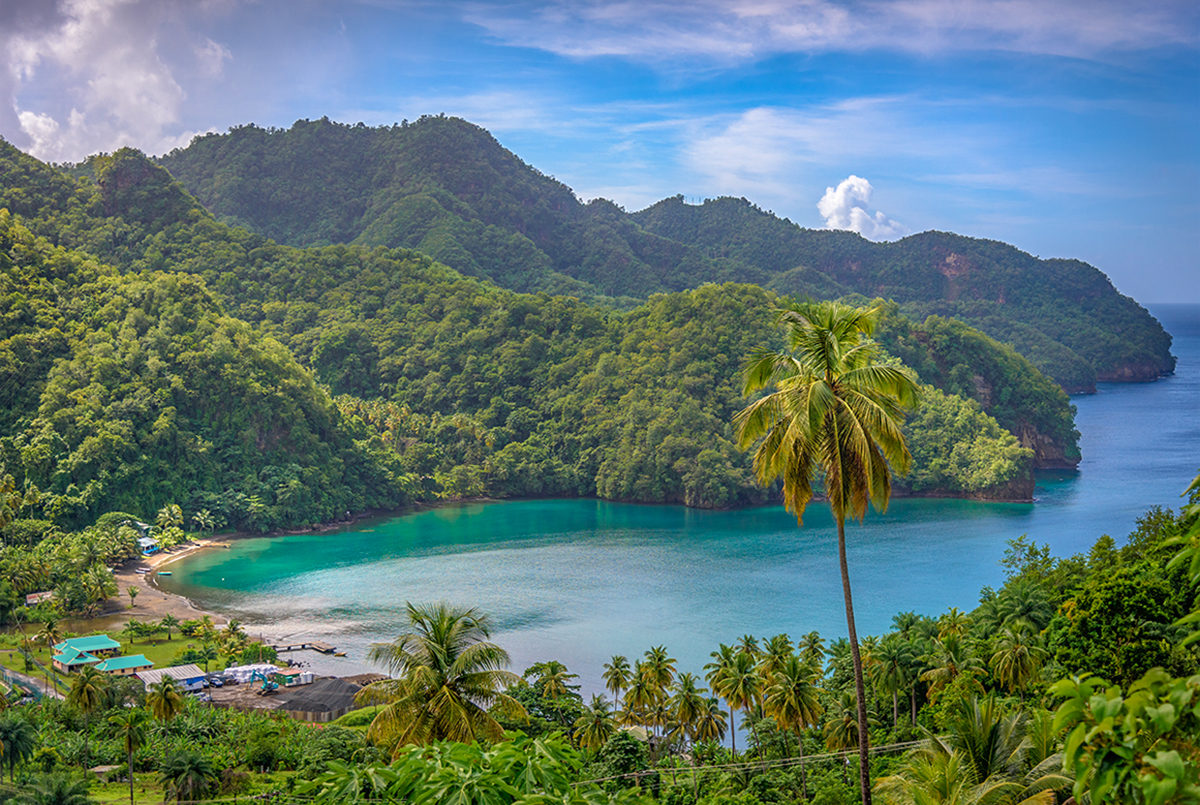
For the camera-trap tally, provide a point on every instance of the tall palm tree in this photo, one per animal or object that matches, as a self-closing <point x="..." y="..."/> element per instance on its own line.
<point x="711" y="724"/>
<point x="449" y="675"/>
<point x="616" y="676"/>
<point x="792" y="699"/>
<point x="837" y="409"/>
<point x="640" y="697"/>
<point x="659" y="668"/>
<point x="86" y="695"/>
<point x="165" y="699"/>
<point x="891" y="669"/>
<point x="131" y="729"/>
<point x="748" y="644"/>
<point x="551" y="679"/>
<point x="735" y="679"/>
<point x="168" y="624"/>
<point x="812" y="648"/>
<point x="687" y="705"/>
<point x="951" y="656"/>
<point x="774" y="653"/>
<point x="596" y="725"/>
<point x="953" y="622"/>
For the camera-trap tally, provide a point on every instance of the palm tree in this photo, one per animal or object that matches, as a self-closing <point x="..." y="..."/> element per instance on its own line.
<point x="17" y="739"/>
<point x="1025" y="600"/>
<point x="54" y="789"/>
<point x="165" y="699"/>
<point x="792" y="700"/>
<point x="812" y="648"/>
<point x="891" y="670"/>
<point x="86" y="695"/>
<point x="735" y="679"/>
<point x="687" y="705"/>
<point x="449" y="676"/>
<point x="169" y="516"/>
<point x="168" y="624"/>
<point x="49" y="636"/>
<point x="131" y="729"/>
<point x="774" y="654"/>
<point x="616" y="676"/>
<point x="203" y="521"/>
<point x="640" y="697"/>
<point x="954" y="622"/>
<point x="187" y="775"/>
<point x="659" y="668"/>
<point x="711" y="724"/>
<point x="596" y="725"/>
<point x="985" y="758"/>
<point x="951" y="656"/>
<point x="1017" y="658"/>
<point x="836" y="408"/>
<point x="748" y="644"/>
<point x="551" y="679"/>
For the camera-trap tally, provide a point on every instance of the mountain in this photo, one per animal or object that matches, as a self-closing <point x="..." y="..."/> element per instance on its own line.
<point x="447" y="188"/>
<point x="444" y="386"/>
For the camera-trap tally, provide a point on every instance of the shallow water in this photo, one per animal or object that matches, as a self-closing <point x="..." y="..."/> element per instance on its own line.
<point x="581" y="580"/>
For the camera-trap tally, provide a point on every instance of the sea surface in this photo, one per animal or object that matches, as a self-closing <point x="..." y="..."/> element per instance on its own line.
<point x="582" y="580"/>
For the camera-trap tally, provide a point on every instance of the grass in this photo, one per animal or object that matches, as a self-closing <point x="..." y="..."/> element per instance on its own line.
<point x="147" y="791"/>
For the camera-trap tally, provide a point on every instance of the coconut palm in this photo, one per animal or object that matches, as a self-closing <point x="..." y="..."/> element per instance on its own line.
<point x="659" y="668"/>
<point x="169" y="516"/>
<point x="203" y="521"/>
<point x="836" y="407"/>
<point x="640" y="697"/>
<point x="1017" y="657"/>
<point x="131" y="729"/>
<point x="951" y="656"/>
<point x="711" y="724"/>
<point x="792" y="700"/>
<point x="812" y="648"/>
<point x="17" y="739"/>
<point x="168" y="624"/>
<point x="86" y="694"/>
<point x="748" y="644"/>
<point x="187" y="775"/>
<point x="616" y="676"/>
<point x="735" y="679"/>
<point x="1027" y="601"/>
<point x="687" y="704"/>
<point x="551" y="679"/>
<point x="891" y="670"/>
<point x="449" y="675"/>
<point x="953" y="622"/>
<point x="774" y="653"/>
<point x="596" y="725"/>
<point x="165" y="699"/>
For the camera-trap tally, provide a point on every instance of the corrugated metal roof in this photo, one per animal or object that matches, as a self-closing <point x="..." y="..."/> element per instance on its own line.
<point x="127" y="661"/>
<point x="95" y="642"/>
<point x="179" y="672"/>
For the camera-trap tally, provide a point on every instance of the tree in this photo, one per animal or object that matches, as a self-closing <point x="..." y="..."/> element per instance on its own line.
<point x="54" y="789"/>
<point x="165" y="699"/>
<point x="891" y="670"/>
<point x="1017" y="657"/>
<point x="133" y="594"/>
<point x="792" y="700"/>
<point x="686" y="707"/>
<point x="711" y="724"/>
<point x="169" y="623"/>
<point x="734" y="677"/>
<point x="448" y="676"/>
<point x="551" y="679"/>
<point x="616" y="676"/>
<point x="204" y="521"/>
<point x="17" y="738"/>
<point x="596" y="725"/>
<point x="131" y="729"/>
<point x="187" y="775"/>
<point x="86" y="695"/>
<point x="836" y="408"/>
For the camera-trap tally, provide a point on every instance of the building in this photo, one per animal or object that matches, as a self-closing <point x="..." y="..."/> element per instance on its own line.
<point x="323" y="701"/>
<point x="69" y="660"/>
<point x="33" y="599"/>
<point x="189" y="677"/>
<point x="149" y="545"/>
<point x="127" y="665"/>
<point x="100" y="645"/>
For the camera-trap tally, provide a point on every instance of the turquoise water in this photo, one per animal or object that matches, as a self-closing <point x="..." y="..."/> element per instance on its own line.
<point x="581" y="580"/>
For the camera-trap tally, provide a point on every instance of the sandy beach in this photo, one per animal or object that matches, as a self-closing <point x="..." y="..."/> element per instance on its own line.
<point x="153" y="604"/>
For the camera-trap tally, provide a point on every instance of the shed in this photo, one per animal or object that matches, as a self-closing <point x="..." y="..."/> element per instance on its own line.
<point x="190" y="677"/>
<point x="148" y="545"/>
<point x="324" y="700"/>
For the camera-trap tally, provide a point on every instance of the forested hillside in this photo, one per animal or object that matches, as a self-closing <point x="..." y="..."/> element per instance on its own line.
<point x="446" y="188"/>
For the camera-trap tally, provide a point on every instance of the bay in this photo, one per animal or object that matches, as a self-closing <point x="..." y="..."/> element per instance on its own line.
<point x="581" y="580"/>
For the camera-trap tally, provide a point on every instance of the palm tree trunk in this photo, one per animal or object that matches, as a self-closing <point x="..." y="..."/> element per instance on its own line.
<point x="864" y="770"/>
<point x="732" y="732"/>
<point x="895" y="707"/>
<point x="129" y="771"/>
<point x="912" y="697"/>
<point x="803" y="773"/>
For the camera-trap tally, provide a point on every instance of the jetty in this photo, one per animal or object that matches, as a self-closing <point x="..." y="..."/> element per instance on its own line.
<point x="312" y="645"/>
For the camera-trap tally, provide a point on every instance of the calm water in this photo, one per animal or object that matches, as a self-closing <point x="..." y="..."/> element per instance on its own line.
<point x="581" y="580"/>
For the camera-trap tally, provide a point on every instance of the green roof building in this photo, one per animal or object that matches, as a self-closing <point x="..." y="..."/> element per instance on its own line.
<point x="92" y="644"/>
<point x="70" y="659"/>
<point x="128" y="665"/>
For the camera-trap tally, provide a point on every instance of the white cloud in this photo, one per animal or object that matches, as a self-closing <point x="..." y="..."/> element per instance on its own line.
<point x="726" y="31"/>
<point x="98" y="77"/>
<point x="845" y="207"/>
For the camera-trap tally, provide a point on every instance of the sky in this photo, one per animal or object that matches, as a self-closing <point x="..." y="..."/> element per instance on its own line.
<point x="1069" y="129"/>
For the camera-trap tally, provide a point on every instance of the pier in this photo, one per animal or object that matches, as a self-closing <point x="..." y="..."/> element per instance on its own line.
<point x="312" y="645"/>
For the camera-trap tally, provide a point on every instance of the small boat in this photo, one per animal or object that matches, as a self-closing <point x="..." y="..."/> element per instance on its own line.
<point x="339" y="654"/>
<point x="143" y="571"/>
<point x="164" y="572"/>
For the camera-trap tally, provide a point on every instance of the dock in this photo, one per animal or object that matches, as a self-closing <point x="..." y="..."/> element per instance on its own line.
<point x="312" y="645"/>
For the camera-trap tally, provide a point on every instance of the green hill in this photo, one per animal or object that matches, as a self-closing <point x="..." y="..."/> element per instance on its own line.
<point x="446" y="188"/>
<point x="185" y="372"/>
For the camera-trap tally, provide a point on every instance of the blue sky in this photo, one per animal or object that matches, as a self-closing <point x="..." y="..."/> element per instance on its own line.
<point x="1068" y="129"/>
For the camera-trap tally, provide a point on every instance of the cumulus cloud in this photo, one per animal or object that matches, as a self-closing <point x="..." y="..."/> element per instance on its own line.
<point x="845" y="207"/>
<point x="96" y="73"/>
